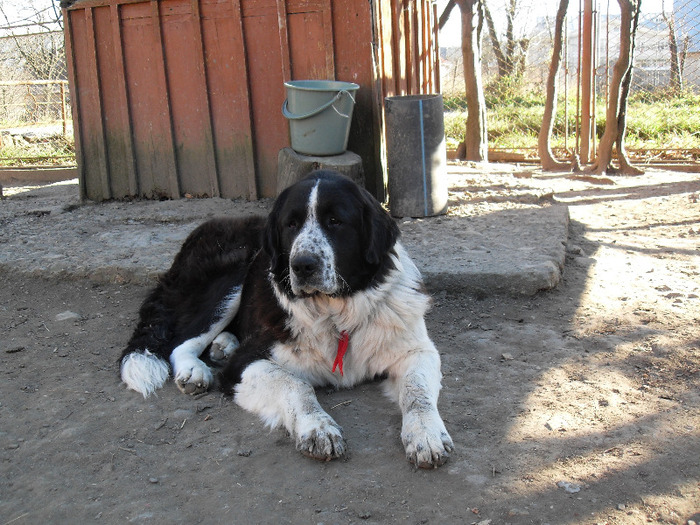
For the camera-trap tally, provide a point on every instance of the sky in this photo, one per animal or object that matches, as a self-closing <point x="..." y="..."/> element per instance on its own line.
<point x="450" y="36"/>
<point x="20" y="14"/>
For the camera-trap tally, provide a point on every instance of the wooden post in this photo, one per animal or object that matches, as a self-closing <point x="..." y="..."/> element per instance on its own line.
<point x="586" y="80"/>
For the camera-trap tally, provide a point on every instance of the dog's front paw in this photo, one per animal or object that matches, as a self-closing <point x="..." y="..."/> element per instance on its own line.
<point x="193" y="376"/>
<point x="425" y="439"/>
<point x="223" y="347"/>
<point x="321" y="439"/>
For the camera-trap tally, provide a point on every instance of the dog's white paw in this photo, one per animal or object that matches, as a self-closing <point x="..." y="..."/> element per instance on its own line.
<point x="320" y="438"/>
<point x="193" y="376"/>
<point x="425" y="439"/>
<point x="223" y="347"/>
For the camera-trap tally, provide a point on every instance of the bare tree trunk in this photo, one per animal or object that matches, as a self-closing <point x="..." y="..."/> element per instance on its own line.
<point x="676" y="79"/>
<point x="511" y="54"/>
<point x="501" y="59"/>
<point x="625" y="165"/>
<point x="619" y="90"/>
<point x="475" y="139"/>
<point x="549" y="163"/>
<point x="511" y="44"/>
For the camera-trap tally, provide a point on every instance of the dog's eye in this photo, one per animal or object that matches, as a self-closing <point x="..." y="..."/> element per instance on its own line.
<point x="333" y="221"/>
<point x="292" y="225"/>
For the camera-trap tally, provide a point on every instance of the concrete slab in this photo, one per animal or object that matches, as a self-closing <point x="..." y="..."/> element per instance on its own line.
<point x="494" y="247"/>
<point x="516" y="252"/>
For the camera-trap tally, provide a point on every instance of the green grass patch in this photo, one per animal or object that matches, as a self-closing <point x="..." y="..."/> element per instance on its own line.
<point x="663" y="121"/>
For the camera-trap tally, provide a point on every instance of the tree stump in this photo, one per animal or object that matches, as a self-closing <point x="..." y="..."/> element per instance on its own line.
<point x="293" y="166"/>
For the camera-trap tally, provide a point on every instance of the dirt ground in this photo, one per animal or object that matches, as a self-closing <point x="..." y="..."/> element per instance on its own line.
<point x="577" y="405"/>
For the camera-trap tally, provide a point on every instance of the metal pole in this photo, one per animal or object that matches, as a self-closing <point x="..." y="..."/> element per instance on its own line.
<point x="63" y="109"/>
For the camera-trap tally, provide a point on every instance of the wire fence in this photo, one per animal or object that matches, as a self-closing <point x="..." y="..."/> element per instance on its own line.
<point x="664" y="106"/>
<point x="31" y="102"/>
<point x="35" y="117"/>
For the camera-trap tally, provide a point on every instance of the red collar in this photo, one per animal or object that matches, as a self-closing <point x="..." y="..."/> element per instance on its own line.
<point x="342" y="348"/>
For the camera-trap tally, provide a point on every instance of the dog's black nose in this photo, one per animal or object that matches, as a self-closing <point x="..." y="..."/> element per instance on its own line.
<point x="304" y="266"/>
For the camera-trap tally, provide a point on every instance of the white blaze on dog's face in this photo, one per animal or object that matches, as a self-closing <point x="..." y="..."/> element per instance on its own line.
<point x="312" y="258"/>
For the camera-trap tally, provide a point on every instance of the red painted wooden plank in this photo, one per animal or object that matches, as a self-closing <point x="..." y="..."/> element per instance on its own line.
<point x="74" y="86"/>
<point x="354" y="62"/>
<point x="123" y="122"/>
<point x="188" y="99"/>
<point x="99" y="187"/>
<point x="284" y="40"/>
<point x="117" y="135"/>
<point x="328" y="38"/>
<point x="148" y="100"/>
<point x="198" y="42"/>
<point x="227" y="75"/>
<point x="311" y="45"/>
<point x="268" y="69"/>
<point x="169" y="169"/>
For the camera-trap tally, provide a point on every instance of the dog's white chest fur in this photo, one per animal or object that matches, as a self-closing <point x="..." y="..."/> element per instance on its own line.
<point x="382" y="323"/>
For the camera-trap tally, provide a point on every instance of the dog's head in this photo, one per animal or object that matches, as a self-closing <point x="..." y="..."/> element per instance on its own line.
<point x="326" y="235"/>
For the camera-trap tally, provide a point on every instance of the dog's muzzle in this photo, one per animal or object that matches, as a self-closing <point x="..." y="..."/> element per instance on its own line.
<point x="310" y="275"/>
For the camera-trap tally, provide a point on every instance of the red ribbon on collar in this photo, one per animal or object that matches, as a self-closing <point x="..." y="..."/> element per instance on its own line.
<point x="342" y="348"/>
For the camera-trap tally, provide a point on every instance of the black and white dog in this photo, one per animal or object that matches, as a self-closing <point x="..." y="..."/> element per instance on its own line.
<point x="322" y="293"/>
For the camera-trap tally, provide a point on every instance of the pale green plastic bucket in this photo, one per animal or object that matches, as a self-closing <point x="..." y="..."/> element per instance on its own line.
<point x="319" y="114"/>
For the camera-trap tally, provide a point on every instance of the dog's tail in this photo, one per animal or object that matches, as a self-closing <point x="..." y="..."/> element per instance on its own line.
<point x="144" y="363"/>
<point x="144" y="371"/>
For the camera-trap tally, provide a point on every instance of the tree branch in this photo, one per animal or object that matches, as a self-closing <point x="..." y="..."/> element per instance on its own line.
<point x="446" y="13"/>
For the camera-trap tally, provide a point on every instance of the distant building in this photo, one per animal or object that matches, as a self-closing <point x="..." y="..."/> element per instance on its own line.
<point x="688" y="25"/>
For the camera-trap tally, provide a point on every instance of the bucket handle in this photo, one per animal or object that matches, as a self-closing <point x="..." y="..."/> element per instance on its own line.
<point x="292" y="116"/>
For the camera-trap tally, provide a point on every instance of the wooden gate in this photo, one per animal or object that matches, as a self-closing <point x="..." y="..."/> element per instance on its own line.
<point x="183" y="97"/>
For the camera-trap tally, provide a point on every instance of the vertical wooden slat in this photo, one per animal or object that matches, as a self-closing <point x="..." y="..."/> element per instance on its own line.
<point x="75" y="99"/>
<point x="430" y="51"/>
<point x="388" y="78"/>
<point x="123" y="102"/>
<point x="413" y="33"/>
<point x="379" y="49"/>
<point x="311" y="39"/>
<point x="397" y="47"/>
<point x="382" y="86"/>
<point x="208" y="156"/>
<point x="354" y="51"/>
<point x="250" y="153"/>
<point x="267" y="47"/>
<point x="437" y="88"/>
<point x="98" y="133"/>
<point x="172" y="175"/>
<point x="284" y="39"/>
<point x="420" y="44"/>
<point x="328" y="38"/>
<point x="406" y="45"/>
<point x="228" y="81"/>
<point x="426" y="46"/>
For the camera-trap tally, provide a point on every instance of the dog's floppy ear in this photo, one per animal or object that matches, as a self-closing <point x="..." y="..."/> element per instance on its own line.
<point x="380" y="230"/>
